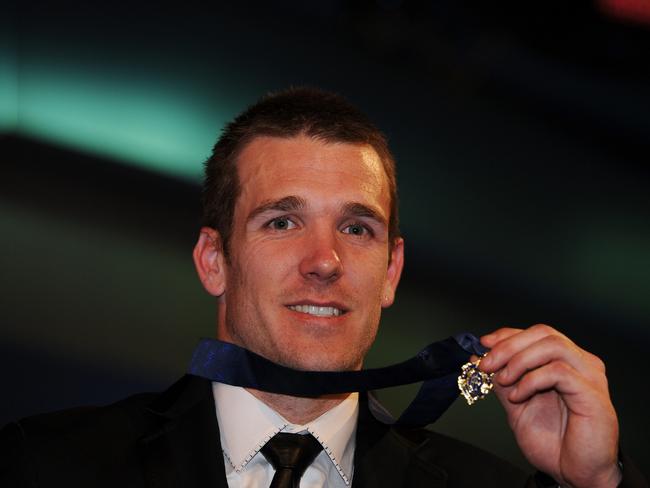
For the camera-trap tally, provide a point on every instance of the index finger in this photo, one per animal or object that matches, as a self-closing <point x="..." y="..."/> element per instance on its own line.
<point x="493" y="338"/>
<point x="506" y="343"/>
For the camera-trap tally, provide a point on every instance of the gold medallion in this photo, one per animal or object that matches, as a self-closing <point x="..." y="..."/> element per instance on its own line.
<point x="473" y="383"/>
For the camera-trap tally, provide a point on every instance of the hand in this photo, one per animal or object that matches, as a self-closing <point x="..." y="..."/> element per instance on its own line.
<point x="557" y="403"/>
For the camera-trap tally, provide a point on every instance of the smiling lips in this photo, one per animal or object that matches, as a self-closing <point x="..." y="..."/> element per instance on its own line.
<point x="317" y="310"/>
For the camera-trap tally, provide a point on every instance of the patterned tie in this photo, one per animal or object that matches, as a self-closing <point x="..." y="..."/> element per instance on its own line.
<point x="290" y="454"/>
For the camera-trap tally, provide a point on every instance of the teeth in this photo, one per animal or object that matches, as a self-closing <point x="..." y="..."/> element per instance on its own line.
<point x="318" y="311"/>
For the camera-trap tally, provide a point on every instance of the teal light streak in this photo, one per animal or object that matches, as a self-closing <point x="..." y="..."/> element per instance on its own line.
<point x="8" y="80"/>
<point x="158" y="124"/>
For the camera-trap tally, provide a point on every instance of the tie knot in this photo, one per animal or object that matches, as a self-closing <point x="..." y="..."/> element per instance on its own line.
<point x="292" y="452"/>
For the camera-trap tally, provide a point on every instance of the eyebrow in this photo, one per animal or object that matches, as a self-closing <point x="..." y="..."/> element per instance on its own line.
<point x="360" y="210"/>
<point x="293" y="203"/>
<point x="286" y="204"/>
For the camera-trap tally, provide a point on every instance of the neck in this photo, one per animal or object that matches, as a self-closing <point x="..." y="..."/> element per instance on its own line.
<point x="299" y="410"/>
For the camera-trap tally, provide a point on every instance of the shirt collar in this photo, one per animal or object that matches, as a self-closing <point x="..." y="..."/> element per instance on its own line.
<point x="246" y="424"/>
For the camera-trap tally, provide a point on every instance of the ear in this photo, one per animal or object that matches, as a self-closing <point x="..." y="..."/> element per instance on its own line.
<point x="394" y="273"/>
<point x="210" y="262"/>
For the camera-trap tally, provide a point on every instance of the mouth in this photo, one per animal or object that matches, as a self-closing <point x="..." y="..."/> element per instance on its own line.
<point x="317" y="310"/>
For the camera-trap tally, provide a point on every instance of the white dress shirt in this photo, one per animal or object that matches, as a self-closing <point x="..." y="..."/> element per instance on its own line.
<point x="246" y="424"/>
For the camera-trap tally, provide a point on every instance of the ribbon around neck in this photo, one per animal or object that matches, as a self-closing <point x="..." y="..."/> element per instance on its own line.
<point x="437" y="366"/>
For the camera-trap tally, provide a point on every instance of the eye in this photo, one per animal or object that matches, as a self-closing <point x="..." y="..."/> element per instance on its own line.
<point x="358" y="230"/>
<point x="281" y="223"/>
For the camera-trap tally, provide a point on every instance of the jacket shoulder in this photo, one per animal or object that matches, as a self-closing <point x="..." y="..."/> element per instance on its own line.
<point x="35" y="450"/>
<point x="76" y="424"/>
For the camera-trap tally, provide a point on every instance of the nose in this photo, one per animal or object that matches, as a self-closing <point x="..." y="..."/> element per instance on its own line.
<point x="321" y="261"/>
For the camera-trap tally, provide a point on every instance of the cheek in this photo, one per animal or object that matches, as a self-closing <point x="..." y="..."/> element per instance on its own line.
<point x="370" y="274"/>
<point x="263" y="267"/>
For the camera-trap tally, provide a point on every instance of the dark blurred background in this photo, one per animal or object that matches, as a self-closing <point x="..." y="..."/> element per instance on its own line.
<point x="521" y="130"/>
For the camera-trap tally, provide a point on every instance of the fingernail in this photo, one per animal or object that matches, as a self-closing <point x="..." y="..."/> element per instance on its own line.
<point x="487" y="339"/>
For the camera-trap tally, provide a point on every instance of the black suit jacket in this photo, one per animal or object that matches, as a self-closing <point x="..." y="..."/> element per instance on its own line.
<point x="172" y="440"/>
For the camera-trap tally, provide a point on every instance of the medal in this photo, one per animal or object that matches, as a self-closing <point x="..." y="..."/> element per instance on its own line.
<point x="473" y="383"/>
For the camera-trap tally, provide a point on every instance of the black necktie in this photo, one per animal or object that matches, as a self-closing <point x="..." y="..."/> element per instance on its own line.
<point x="290" y="454"/>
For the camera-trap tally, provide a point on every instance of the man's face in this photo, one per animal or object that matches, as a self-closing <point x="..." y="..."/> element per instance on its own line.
<point x="309" y="267"/>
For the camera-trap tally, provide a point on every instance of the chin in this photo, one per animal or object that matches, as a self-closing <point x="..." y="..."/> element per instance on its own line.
<point x="320" y="360"/>
<point x="325" y="353"/>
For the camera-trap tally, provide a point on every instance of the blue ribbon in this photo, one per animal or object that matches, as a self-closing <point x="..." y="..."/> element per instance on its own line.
<point x="437" y="365"/>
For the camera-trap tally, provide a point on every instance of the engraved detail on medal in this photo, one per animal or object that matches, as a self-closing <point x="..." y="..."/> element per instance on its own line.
<point x="473" y="383"/>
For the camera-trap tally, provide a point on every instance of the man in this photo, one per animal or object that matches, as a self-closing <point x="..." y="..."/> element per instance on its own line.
<point x="301" y="247"/>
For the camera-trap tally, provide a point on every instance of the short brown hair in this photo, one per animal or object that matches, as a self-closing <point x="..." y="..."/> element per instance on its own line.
<point x="289" y="113"/>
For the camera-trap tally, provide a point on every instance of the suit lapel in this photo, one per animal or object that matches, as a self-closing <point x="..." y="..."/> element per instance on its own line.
<point x="385" y="458"/>
<point x="183" y="447"/>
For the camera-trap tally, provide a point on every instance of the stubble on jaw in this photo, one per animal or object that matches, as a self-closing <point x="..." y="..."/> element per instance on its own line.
<point x="314" y="353"/>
